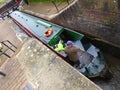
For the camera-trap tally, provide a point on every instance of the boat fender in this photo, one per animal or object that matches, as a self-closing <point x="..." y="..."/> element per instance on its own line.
<point x="48" y="32"/>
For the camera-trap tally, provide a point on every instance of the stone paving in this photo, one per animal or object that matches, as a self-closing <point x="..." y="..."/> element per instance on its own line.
<point x="7" y="33"/>
<point x="47" y="71"/>
<point x="16" y="78"/>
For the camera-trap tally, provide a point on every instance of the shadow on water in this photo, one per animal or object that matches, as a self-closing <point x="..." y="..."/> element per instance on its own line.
<point x="107" y="47"/>
<point x="114" y="67"/>
<point x="112" y="58"/>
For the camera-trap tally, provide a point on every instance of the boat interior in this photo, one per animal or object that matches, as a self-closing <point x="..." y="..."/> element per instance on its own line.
<point x="79" y="41"/>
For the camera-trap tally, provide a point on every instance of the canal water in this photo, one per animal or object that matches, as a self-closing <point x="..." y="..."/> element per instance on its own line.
<point x="114" y="66"/>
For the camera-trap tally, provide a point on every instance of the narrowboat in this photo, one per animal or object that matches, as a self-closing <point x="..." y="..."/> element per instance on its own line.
<point x="50" y="34"/>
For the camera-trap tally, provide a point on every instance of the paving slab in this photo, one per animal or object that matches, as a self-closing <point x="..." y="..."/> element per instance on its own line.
<point x="47" y="71"/>
<point x="7" y="33"/>
<point x="16" y="78"/>
<point x="46" y="10"/>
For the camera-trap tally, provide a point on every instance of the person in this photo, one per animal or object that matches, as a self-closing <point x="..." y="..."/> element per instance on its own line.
<point x="72" y="51"/>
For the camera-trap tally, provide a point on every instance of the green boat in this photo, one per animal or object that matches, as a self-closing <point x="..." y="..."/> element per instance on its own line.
<point x="91" y="58"/>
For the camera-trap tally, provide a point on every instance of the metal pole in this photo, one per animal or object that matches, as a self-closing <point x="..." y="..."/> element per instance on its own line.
<point x="8" y="47"/>
<point x="55" y="5"/>
<point x="68" y="2"/>
<point x="6" y="55"/>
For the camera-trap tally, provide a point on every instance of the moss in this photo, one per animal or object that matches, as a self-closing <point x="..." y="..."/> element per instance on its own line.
<point x="80" y="13"/>
<point x="111" y="20"/>
<point x="2" y="1"/>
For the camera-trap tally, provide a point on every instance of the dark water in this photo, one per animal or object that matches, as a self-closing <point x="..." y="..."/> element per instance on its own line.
<point x="114" y="66"/>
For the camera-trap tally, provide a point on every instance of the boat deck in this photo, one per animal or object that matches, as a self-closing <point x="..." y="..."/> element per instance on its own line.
<point x="35" y="25"/>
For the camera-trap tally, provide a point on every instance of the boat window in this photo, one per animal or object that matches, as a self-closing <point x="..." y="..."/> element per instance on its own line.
<point x="86" y="44"/>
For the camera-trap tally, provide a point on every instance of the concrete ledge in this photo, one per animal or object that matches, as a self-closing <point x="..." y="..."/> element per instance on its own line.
<point x="47" y="71"/>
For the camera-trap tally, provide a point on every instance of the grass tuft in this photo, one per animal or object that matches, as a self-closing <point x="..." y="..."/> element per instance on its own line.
<point x="1" y="1"/>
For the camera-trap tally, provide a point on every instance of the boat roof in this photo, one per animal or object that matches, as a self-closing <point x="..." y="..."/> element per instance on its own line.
<point x="36" y="25"/>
